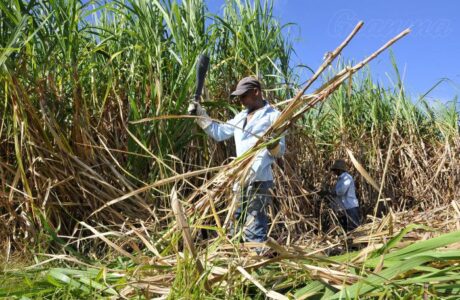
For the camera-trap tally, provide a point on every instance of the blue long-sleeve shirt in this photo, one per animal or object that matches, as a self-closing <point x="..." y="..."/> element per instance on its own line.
<point x="345" y="192"/>
<point x="247" y="138"/>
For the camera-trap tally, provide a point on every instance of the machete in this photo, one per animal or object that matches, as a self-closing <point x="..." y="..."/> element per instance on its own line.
<point x="201" y="69"/>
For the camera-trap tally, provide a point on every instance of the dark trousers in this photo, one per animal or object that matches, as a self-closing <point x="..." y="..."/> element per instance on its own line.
<point x="251" y="213"/>
<point x="349" y="219"/>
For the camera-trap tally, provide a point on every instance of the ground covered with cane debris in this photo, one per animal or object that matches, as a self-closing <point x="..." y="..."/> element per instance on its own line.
<point x="109" y="189"/>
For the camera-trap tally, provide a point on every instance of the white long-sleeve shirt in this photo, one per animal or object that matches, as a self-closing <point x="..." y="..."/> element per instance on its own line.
<point x="345" y="192"/>
<point x="248" y="137"/>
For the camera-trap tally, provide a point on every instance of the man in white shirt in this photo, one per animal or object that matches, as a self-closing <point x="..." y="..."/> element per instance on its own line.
<point x="344" y="194"/>
<point x="247" y="127"/>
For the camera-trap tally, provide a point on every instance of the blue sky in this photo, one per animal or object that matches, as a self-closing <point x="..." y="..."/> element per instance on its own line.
<point x="431" y="52"/>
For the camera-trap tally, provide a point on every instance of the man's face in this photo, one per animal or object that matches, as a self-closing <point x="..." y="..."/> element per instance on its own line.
<point x="249" y="99"/>
<point x="337" y="172"/>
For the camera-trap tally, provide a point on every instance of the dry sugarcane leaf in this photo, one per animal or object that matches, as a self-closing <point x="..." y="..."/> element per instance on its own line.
<point x="156" y="184"/>
<point x="183" y="225"/>
<point x="362" y="171"/>
<point x="107" y="241"/>
<point x="272" y="294"/>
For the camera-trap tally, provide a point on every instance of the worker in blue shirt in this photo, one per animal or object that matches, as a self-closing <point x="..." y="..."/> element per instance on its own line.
<point x="345" y="201"/>
<point x="247" y="127"/>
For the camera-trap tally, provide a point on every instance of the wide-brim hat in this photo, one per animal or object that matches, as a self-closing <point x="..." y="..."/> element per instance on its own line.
<point x="246" y="84"/>
<point x="339" y="164"/>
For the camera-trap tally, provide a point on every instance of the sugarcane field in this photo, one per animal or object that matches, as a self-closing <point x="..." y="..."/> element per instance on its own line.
<point x="227" y="149"/>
